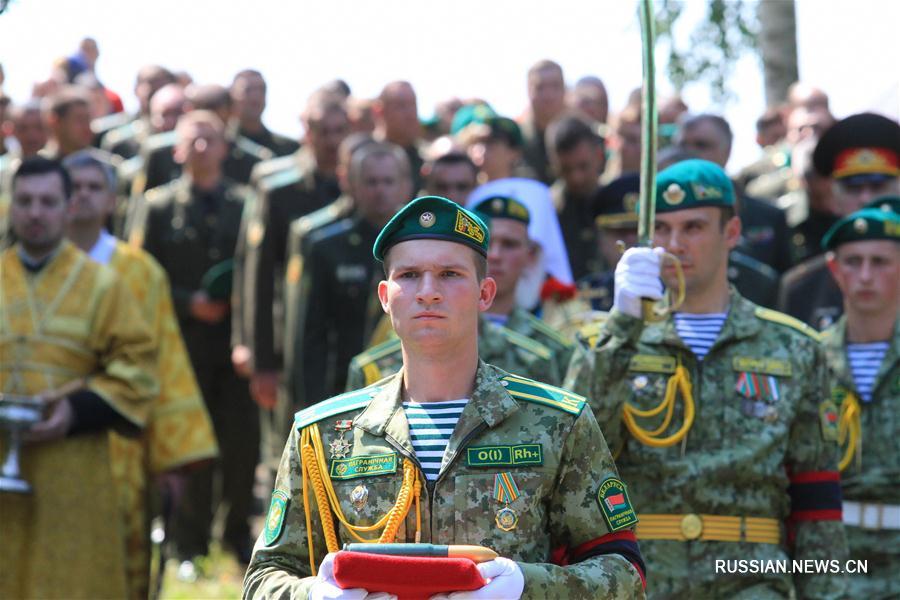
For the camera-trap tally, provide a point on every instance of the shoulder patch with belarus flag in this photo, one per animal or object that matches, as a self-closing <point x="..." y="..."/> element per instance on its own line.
<point x="275" y="516"/>
<point x="615" y="505"/>
<point x="828" y="420"/>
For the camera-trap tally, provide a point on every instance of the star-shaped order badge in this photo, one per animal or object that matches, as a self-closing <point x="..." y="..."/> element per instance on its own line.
<point x="340" y="447"/>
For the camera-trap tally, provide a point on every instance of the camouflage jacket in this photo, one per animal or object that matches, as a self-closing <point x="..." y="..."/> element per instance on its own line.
<point x="558" y="507"/>
<point x="769" y="453"/>
<point x="522" y="321"/>
<point x="872" y="479"/>
<point x="497" y="345"/>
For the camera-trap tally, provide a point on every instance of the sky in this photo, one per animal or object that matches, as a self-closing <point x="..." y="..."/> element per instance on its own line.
<point x="462" y="48"/>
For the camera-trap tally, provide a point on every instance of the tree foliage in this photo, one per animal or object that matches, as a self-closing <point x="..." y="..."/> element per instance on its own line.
<point x="729" y="29"/>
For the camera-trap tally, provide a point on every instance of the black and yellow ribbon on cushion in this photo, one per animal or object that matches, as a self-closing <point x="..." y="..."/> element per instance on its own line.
<point x="314" y="471"/>
<point x="679" y="382"/>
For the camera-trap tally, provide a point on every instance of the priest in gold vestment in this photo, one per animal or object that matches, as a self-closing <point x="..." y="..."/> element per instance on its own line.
<point x="64" y="318"/>
<point x="179" y="432"/>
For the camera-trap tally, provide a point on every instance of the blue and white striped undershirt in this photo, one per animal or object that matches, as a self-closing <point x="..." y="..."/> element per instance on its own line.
<point x="699" y="331"/>
<point x="865" y="360"/>
<point x="430" y="426"/>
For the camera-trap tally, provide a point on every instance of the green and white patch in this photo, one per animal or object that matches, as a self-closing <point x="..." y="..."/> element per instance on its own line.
<point x="505" y="456"/>
<point x="363" y="466"/>
<point x="275" y="517"/>
<point x="615" y="505"/>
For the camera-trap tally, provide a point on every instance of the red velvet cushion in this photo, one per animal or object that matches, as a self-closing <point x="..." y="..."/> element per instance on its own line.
<point x="408" y="577"/>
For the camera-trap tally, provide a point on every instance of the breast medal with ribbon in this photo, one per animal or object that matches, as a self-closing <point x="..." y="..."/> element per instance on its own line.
<point x="505" y="492"/>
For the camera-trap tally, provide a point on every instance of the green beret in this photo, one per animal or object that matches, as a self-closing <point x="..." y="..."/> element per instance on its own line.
<point x="888" y="203"/>
<point x="482" y="114"/>
<point x="217" y="280"/>
<point x="691" y="184"/>
<point x="864" y="224"/>
<point x="502" y="207"/>
<point x="469" y="114"/>
<point x="433" y="218"/>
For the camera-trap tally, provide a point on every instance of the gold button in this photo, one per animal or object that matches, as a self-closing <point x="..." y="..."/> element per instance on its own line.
<point x="691" y="526"/>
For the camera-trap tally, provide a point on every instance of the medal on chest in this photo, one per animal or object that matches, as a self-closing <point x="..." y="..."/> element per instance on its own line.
<point x="505" y="492"/>
<point x="761" y="395"/>
<point x="359" y="496"/>
<point x="340" y="447"/>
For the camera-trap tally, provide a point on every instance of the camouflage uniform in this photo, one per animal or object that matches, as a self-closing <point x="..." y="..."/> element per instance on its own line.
<point x="756" y="281"/>
<point x="747" y="455"/>
<point x="873" y="481"/>
<point x="522" y="321"/>
<point x="558" y="509"/>
<point x="497" y="345"/>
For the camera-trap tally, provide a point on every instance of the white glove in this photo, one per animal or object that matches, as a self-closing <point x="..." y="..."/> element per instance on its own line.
<point x="326" y="588"/>
<point x="505" y="582"/>
<point x="637" y="276"/>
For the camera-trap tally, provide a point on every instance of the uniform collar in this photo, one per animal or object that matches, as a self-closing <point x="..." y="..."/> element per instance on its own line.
<point x="741" y="323"/>
<point x="490" y="405"/>
<point x="834" y="340"/>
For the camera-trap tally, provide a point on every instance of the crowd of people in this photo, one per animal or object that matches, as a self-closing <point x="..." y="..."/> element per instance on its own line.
<point x="185" y="290"/>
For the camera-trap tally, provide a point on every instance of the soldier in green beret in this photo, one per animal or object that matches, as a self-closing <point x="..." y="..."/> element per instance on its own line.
<point x="616" y="219"/>
<point x="509" y="337"/>
<point x="494" y="143"/>
<point x="510" y="253"/>
<point x="863" y="351"/>
<point x="491" y="458"/>
<point x="719" y="412"/>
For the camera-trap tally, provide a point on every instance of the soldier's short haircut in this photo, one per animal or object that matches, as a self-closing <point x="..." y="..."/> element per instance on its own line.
<point x="206" y="117"/>
<point x="320" y="103"/>
<point x="544" y="65"/>
<point x="449" y="159"/>
<point x="84" y="160"/>
<point x="38" y="165"/>
<point x="351" y="144"/>
<point x="209" y="97"/>
<point x="68" y="97"/>
<point x="388" y="90"/>
<point x="337" y="86"/>
<point x="155" y="72"/>
<point x="716" y="121"/>
<point x="590" y="81"/>
<point x="568" y="131"/>
<point x="367" y="151"/>
<point x="18" y="111"/>
<point x="245" y="73"/>
<point x="480" y="264"/>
